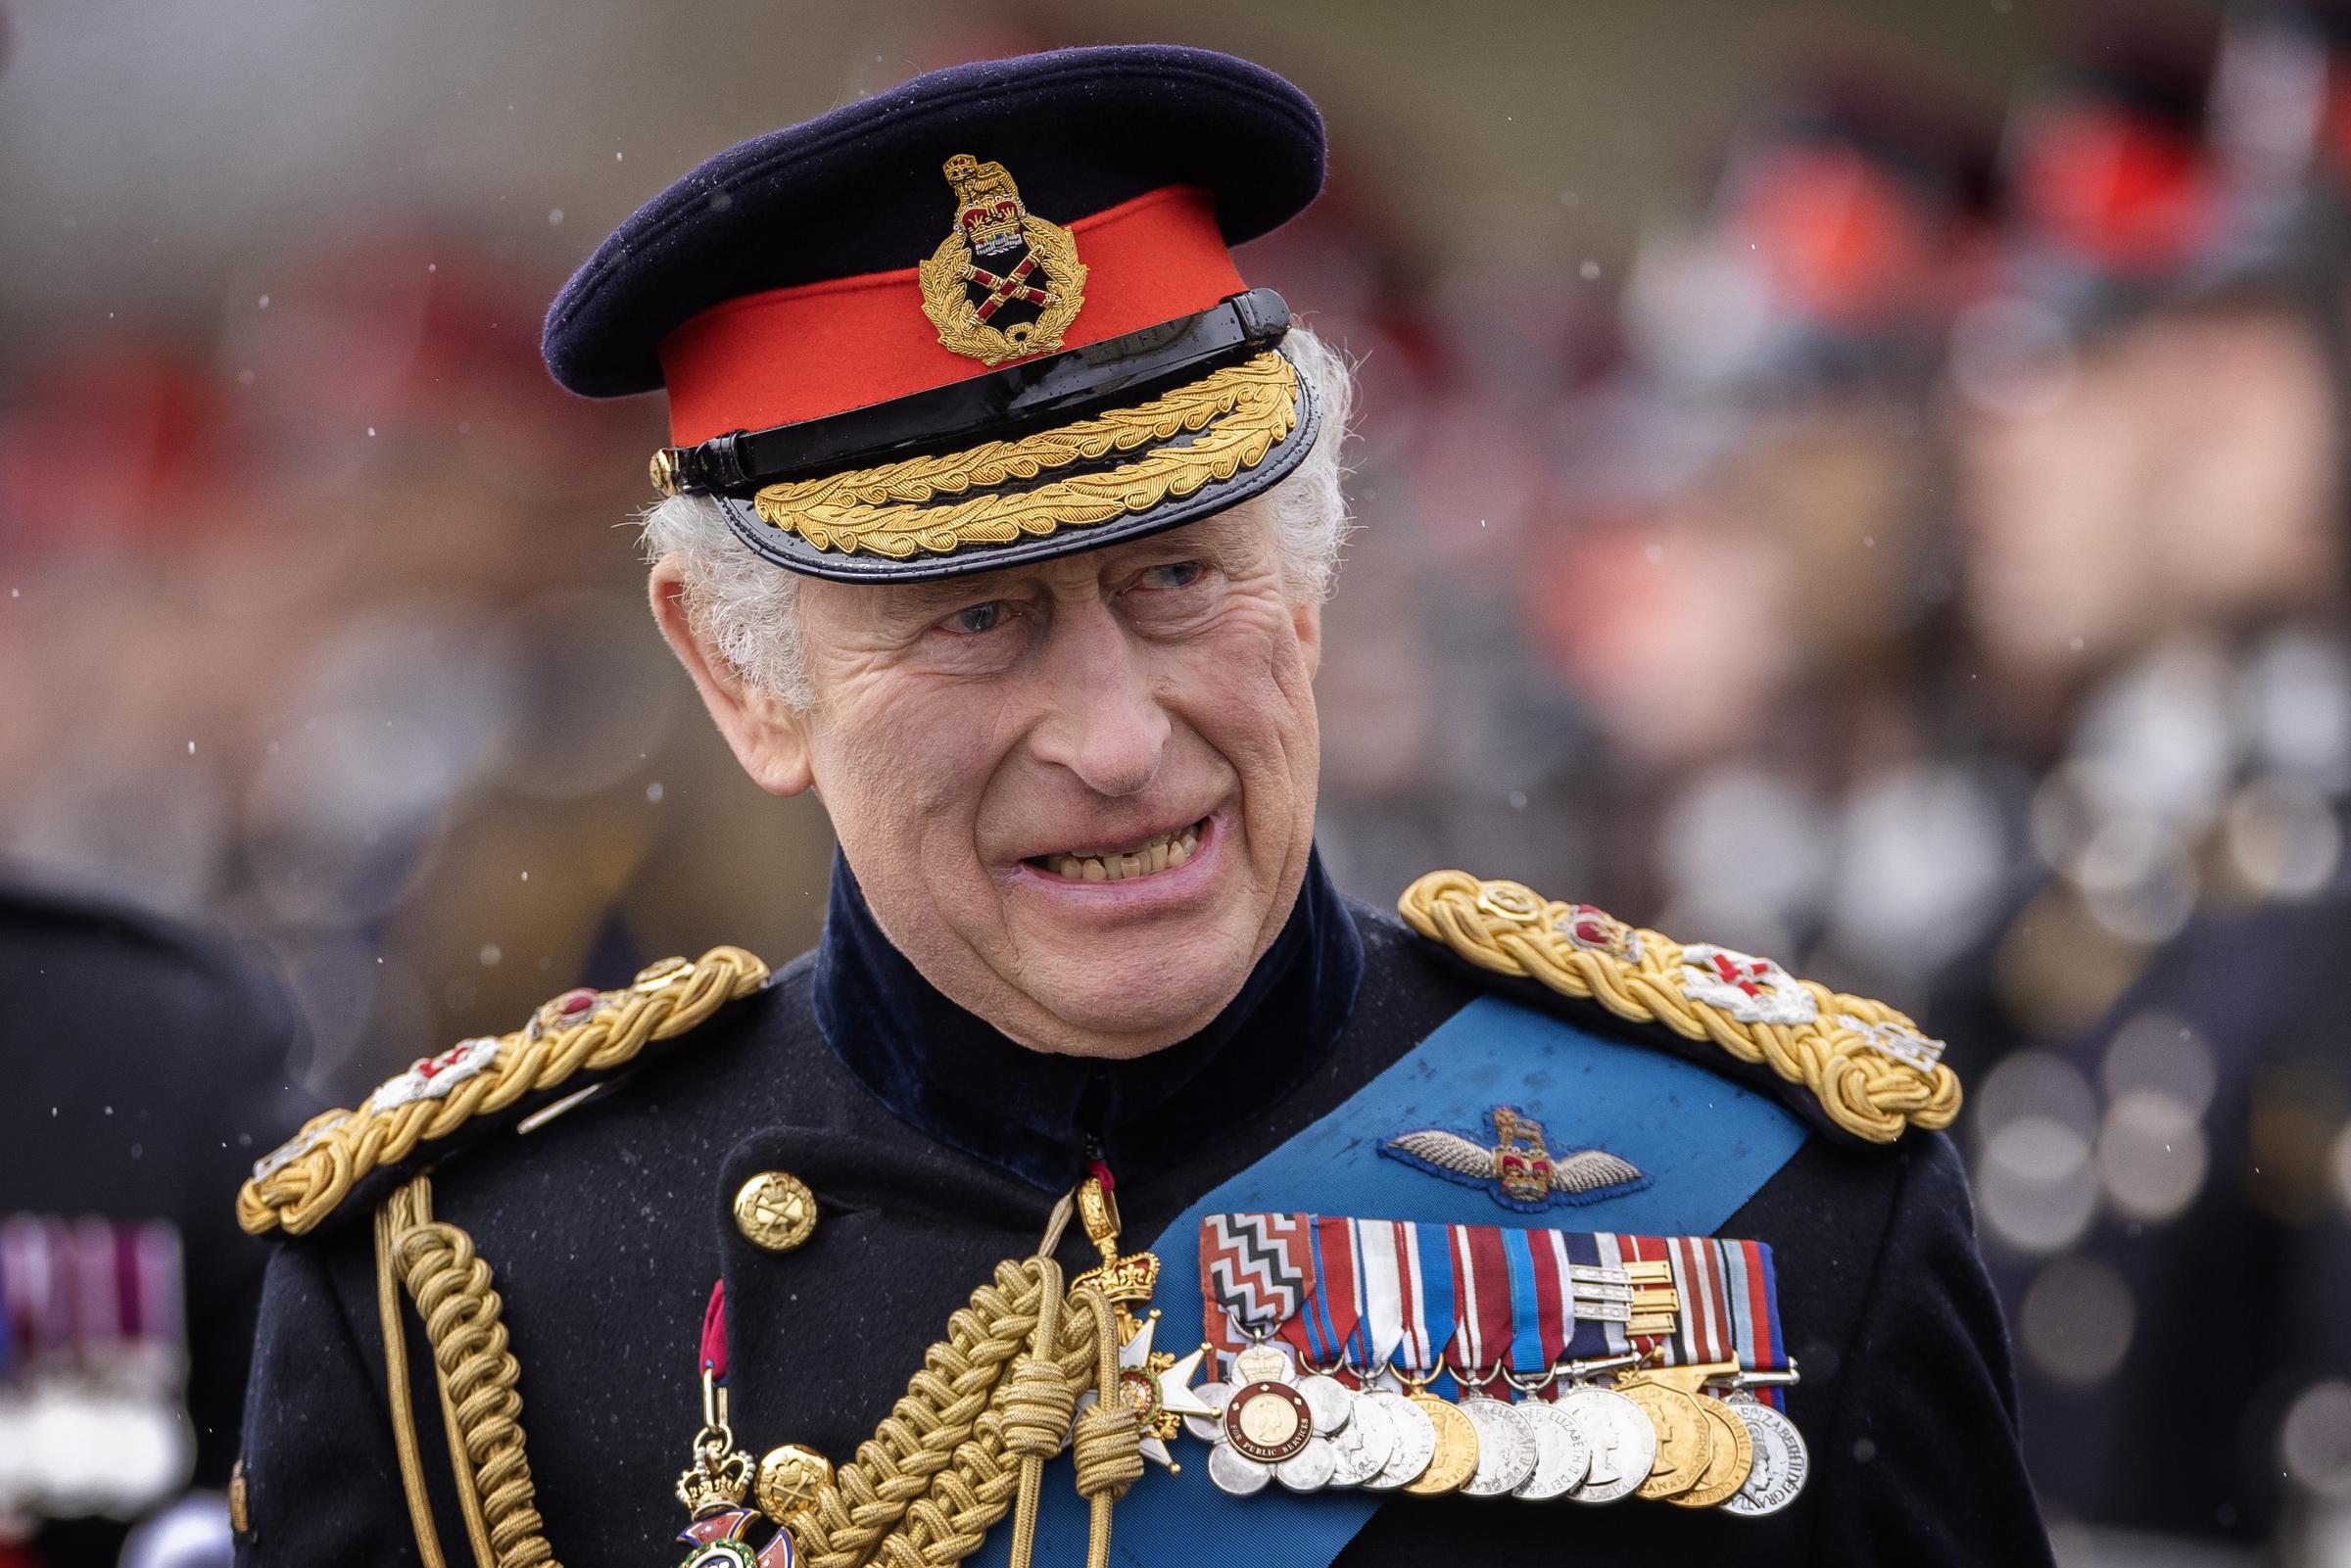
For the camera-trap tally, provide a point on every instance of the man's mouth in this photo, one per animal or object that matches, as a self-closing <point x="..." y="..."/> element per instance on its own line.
<point x="1160" y="852"/>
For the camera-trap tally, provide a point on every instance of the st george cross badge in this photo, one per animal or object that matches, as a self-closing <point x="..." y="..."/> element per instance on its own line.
<point x="1004" y="283"/>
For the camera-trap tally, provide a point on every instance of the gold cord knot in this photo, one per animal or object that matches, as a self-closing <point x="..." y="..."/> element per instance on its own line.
<point x="1109" y="1447"/>
<point x="1038" y="1410"/>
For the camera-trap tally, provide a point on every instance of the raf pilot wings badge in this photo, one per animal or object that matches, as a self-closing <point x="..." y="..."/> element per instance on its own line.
<point x="1516" y="1169"/>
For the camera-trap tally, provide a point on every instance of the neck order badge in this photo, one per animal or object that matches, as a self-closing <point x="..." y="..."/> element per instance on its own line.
<point x="1701" y="1173"/>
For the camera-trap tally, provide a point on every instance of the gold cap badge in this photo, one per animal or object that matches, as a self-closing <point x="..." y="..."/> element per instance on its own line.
<point x="1004" y="283"/>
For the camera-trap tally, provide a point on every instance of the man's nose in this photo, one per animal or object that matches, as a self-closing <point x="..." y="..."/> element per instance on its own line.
<point x="1102" y="722"/>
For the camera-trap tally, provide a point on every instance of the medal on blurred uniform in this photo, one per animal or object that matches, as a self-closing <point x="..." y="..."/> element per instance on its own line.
<point x="1387" y="1252"/>
<point x="1666" y="1387"/>
<point x="93" y="1367"/>
<point x="1544" y="1283"/>
<point x="1318" y="1334"/>
<point x="1330" y="1316"/>
<point x="1623" y="1442"/>
<point x="1484" y="1332"/>
<point x="1155" y="1382"/>
<point x="1781" y="1460"/>
<point x="1421" y="1359"/>
<point x="1258" y="1269"/>
<point x="717" y="1489"/>
<point x="1367" y="1441"/>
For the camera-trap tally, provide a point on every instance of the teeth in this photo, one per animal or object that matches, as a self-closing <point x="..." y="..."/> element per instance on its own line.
<point x="1115" y="866"/>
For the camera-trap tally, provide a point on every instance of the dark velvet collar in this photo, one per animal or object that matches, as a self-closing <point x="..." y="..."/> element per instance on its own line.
<point x="953" y="1076"/>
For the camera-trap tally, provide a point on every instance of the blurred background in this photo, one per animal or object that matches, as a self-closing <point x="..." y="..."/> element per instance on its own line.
<point x="1861" y="482"/>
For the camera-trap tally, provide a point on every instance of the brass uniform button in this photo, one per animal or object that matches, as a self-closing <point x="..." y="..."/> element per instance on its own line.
<point x="240" y="1510"/>
<point x="790" y="1478"/>
<point x="775" y="1210"/>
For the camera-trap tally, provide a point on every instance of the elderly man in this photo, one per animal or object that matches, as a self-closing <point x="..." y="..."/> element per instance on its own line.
<point x="999" y="512"/>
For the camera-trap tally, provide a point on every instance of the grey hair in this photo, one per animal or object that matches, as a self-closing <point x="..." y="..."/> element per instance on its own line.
<point x="747" y="608"/>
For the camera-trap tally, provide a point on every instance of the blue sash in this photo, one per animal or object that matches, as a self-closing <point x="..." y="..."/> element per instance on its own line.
<point x="1706" y="1144"/>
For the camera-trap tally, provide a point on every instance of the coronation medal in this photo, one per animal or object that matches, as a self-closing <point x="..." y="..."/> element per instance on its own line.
<point x="1318" y="1332"/>
<point x="1488" y="1311"/>
<point x="1543" y="1284"/>
<point x="1622" y="1445"/>
<point x="1563" y="1452"/>
<point x="1623" y="1442"/>
<point x="1388" y="1252"/>
<point x="1506" y="1447"/>
<point x="1362" y="1447"/>
<point x="1546" y="1280"/>
<point x="1453" y="1456"/>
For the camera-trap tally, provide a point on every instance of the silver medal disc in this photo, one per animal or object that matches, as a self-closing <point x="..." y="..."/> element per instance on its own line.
<point x="1329" y="1401"/>
<point x="1211" y="1427"/>
<point x="1506" y="1448"/>
<point x="1782" y="1461"/>
<point x="1310" y="1468"/>
<point x="1624" y="1445"/>
<point x="1235" y="1475"/>
<point x="1363" y="1445"/>
<point x="1562" y="1454"/>
<point x="1415" y="1440"/>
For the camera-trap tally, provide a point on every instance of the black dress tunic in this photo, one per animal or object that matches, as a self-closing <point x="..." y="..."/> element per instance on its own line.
<point x="935" y="1148"/>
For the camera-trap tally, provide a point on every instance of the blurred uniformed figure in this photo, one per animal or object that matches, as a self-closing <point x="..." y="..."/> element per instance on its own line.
<point x="1782" y="690"/>
<point x="2149" y="438"/>
<point x="141" y="1058"/>
<point x="999" y="512"/>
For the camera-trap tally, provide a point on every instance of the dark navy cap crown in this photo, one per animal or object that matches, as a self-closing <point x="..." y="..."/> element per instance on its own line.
<point x="857" y="190"/>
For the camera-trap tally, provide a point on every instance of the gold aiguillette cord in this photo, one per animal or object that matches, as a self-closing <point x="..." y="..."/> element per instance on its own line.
<point x="475" y="1376"/>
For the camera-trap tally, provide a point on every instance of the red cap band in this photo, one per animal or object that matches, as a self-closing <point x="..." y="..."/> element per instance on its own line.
<point x="798" y="354"/>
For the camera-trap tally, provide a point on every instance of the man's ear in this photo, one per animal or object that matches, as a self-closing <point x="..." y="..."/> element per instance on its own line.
<point x="1307" y="617"/>
<point x="769" y="737"/>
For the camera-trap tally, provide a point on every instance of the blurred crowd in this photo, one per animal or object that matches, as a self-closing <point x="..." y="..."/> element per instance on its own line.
<point x="1927" y="563"/>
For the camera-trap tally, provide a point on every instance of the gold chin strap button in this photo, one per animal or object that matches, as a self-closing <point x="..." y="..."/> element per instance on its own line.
<point x="790" y="1478"/>
<point x="775" y="1210"/>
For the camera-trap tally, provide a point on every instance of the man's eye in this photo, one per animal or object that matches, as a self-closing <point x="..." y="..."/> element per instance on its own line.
<point x="977" y="618"/>
<point x="1175" y="574"/>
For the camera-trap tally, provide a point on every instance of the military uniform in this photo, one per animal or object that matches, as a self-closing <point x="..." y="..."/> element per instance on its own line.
<point x="146" y="1061"/>
<point x="533" y="1223"/>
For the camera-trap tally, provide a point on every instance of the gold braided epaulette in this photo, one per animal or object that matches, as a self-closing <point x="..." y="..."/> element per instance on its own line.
<point x="298" y="1184"/>
<point x="1869" y="1069"/>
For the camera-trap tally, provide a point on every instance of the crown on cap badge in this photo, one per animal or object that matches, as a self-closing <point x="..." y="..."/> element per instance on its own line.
<point x="1004" y="283"/>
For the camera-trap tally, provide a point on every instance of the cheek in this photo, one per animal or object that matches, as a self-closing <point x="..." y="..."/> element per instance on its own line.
<point x="903" y="753"/>
<point x="1245" y="686"/>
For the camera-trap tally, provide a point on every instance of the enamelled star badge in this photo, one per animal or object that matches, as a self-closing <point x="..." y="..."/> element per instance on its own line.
<point x="1516" y="1169"/>
<point x="1004" y="283"/>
